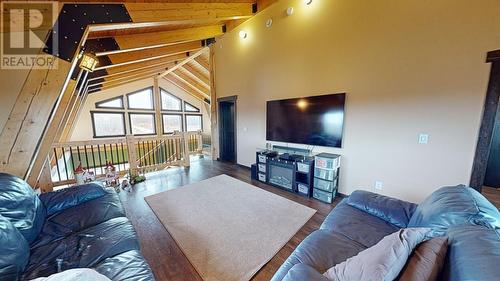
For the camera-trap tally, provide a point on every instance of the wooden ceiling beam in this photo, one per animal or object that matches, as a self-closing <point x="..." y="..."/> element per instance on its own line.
<point x="192" y="83"/>
<point x="171" y="57"/>
<point x="142" y="64"/>
<point x="119" y="83"/>
<point x="164" y="37"/>
<point x="156" y="52"/>
<point x="190" y="58"/>
<point x="157" y="12"/>
<point x="181" y="85"/>
<point x="125" y="77"/>
<point x="203" y="63"/>
<point x="201" y="77"/>
<point x="159" y="67"/>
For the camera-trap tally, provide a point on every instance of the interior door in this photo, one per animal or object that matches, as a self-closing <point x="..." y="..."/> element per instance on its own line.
<point x="227" y="130"/>
<point x="492" y="177"/>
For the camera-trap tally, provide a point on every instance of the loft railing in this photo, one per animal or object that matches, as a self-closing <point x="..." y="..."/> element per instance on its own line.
<point x="128" y="154"/>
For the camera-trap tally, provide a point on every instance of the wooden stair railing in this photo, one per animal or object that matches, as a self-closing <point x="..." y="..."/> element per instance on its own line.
<point x="129" y="155"/>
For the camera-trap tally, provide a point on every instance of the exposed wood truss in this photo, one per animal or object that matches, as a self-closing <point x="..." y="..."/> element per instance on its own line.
<point x="165" y="39"/>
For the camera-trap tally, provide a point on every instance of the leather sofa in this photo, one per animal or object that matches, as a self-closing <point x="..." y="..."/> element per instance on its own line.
<point x="77" y="227"/>
<point x="359" y="221"/>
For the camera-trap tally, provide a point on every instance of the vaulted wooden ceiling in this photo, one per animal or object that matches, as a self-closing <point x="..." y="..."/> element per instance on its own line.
<point x="167" y="39"/>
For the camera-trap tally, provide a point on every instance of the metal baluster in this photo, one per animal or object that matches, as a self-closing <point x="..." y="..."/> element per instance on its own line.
<point x="57" y="164"/>
<point x="79" y="157"/>
<point x="86" y="157"/>
<point x="100" y="160"/>
<point x="72" y="159"/>
<point x="153" y="151"/>
<point x="65" y="164"/>
<point x="123" y="157"/>
<point x="117" y="157"/>
<point x="93" y="158"/>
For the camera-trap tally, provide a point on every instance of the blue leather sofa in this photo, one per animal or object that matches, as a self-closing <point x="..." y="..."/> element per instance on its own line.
<point x="77" y="227"/>
<point x="471" y="223"/>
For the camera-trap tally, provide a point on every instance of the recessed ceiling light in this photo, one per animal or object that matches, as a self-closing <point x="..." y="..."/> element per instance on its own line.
<point x="308" y="2"/>
<point x="243" y="34"/>
<point x="269" y="23"/>
<point x="289" y="11"/>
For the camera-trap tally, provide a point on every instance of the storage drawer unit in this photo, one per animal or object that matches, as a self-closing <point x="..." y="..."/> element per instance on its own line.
<point x="324" y="196"/>
<point x="325" y="174"/>
<point x="261" y="158"/>
<point x="324" y="185"/>
<point x="262" y="168"/>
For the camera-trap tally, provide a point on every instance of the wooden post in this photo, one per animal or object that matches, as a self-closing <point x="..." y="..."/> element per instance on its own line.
<point x="45" y="180"/>
<point x="157" y="99"/>
<point x="185" y="142"/>
<point x="200" y="141"/>
<point x="213" y="107"/>
<point x="132" y="155"/>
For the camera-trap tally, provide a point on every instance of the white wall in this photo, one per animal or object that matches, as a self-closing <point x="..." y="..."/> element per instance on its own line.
<point x="83" y="127"/>
<point x="407" y="66"/>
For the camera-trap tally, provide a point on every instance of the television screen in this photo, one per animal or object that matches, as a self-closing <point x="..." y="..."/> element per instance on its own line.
<point x="317" y="120"/>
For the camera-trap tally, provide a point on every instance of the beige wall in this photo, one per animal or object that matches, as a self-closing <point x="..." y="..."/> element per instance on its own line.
<point x="408" y="67"/>
<point x="83" y="127"/>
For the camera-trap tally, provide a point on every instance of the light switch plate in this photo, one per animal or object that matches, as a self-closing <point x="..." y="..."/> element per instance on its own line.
<point x="423" y="138"/>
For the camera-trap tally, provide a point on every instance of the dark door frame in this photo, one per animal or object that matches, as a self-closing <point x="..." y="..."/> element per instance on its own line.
<point x="487" y="123"/>
<point x="230" y="99"/>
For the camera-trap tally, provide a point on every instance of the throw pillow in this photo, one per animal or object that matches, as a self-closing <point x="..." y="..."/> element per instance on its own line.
<point x="76" y="274"/>
<point x="383" y="261"/>
<point x="426" y="261"/>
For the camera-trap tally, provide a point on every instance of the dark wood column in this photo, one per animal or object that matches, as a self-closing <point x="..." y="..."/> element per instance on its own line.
<point x="487" y="122"/>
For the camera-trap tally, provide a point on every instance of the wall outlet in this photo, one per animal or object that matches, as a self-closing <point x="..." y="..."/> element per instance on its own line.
<point x="379" y="185"/>
<point x="423" y="138"/>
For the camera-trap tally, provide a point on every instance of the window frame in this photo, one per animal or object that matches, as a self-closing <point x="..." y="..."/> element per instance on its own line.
<point x="92" y="112"/>
<point x="136" y="92"/>
<point x="185" y="121"/>
<point x="142" y="113"/>
<point x="188" y="103"/>
<point x="163" y="123"/>
<point x="98" y="104"/>
<point x="172" y="95"/>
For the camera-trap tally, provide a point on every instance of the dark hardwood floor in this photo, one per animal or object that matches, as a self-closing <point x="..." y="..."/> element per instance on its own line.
<point x="158" y="247"/>
<point x="493" y="194"/>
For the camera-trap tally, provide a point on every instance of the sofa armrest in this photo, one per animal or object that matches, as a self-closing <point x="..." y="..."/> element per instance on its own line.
<point x="63" y="199"/>
<point x="392" y="210"/>
<point x="301" y="272"/>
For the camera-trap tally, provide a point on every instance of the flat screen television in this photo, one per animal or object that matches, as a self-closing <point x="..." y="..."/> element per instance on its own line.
<point x="317" y="120"/>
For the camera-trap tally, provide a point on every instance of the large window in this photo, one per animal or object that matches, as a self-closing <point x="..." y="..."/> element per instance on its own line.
<point x="176" y="115"/>
<point x="113" y="103"/>
<point x="142" y="123"/>
<point x="142" y="99"/>
<point x="172" y="123"/>
<point x="108" y="124"/>
<point x="170" y="102"/>
<point x="193" y="123"/>
<point x="190" y="108"/>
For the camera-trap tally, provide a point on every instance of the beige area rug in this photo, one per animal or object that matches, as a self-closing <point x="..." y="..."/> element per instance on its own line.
<point x="228" y="229"/>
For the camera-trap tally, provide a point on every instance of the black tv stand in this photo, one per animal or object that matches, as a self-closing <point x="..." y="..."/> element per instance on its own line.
<point x="291" y="172"/>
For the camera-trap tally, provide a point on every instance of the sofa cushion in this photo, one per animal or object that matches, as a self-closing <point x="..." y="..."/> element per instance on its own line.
<point x="473" y="254"/>
<point x="304" y="272"/>
<point x="79" y="217"/>
<point x="390" y="209"/>
<point x="455" y="205"/>
<point x="383" y="261"/>
<point x="321" y="250"/>
<point x="76" y="274"/>
<point x="21" y="206"/>
<point x="63" y="199"/>
<point x="86" y="248"/>
<point x="129" y="266"/>
<point x="426" y="261"/>
<point x="357" y="225"/>
<point x="14" y="251"/>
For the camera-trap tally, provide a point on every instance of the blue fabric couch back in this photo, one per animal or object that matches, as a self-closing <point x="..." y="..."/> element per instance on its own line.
<point x="472" y="225"/>
<point x="21" y="206"/>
